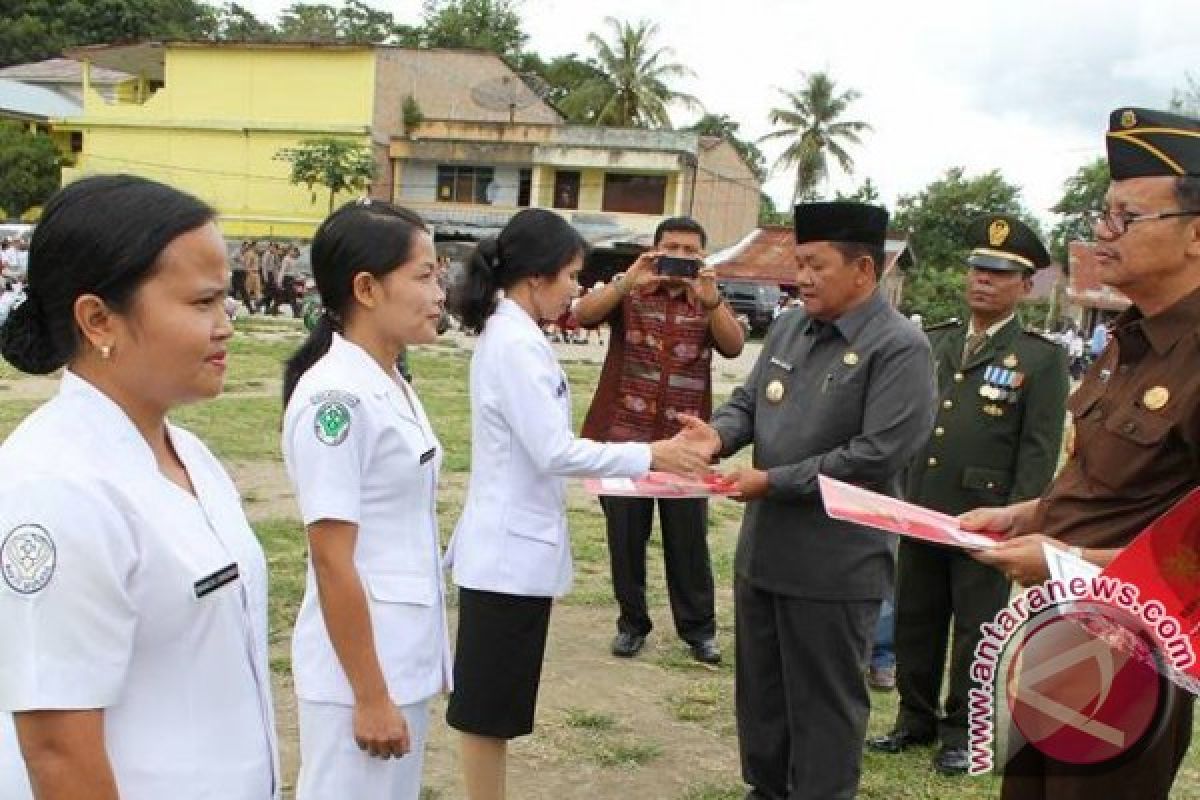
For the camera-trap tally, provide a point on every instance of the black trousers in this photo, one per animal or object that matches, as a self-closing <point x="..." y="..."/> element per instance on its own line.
<point x="238" y="290"/>
<point x="802" y="702"/>
<point x="939" y="588"/>
<point x="685" y="558"/>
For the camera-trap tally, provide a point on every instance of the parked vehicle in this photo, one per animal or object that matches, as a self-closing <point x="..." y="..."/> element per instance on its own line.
<point x="754" y="301"/>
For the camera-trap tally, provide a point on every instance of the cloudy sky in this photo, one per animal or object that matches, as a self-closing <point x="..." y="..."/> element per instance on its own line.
<point x="1024" y="86"/>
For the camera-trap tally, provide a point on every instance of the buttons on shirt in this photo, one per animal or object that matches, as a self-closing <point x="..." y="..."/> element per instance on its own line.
<point x="939" y="431"/>
<point x="933" y="462"/>
<point x="947" y="404"/>
<point x="959" y="377"/>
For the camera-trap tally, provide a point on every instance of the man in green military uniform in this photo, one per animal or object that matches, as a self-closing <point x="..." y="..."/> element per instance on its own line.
<point x="1001" y="407"/>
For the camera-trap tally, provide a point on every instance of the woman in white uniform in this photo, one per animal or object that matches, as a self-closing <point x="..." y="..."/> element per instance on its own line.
<point x="370" y="646"/>
<point x="510" y="551"/>
<point x="132" y="590"/>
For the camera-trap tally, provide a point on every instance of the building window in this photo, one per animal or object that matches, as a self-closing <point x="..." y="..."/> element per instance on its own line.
<point x="524" y="187"/>
<point x="635" y="194"/>
<point x="459" y="184"/>
<point x="566" y="189"/>
<point x="76" y="141"/>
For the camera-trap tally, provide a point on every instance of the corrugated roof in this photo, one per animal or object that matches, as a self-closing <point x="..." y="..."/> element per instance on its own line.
<point x="767" y="255"/>
<point x="24" y="100"/>
<point x="61" y="70"/>
<point x="1085" y="288"/>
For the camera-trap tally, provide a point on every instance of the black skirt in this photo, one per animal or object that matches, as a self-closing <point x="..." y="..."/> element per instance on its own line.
<point x="498" y="658"/>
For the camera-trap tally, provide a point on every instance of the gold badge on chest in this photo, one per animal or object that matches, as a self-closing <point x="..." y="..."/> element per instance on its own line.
<point x="850" y="359"/>
<point x="775" y="391"/>
<point x="1156" y="398"/>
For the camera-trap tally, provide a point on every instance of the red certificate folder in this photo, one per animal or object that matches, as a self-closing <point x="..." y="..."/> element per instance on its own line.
<point x="855" y="504"/>
<point x="1163" y="562"/>
<point x="660" y="484"/>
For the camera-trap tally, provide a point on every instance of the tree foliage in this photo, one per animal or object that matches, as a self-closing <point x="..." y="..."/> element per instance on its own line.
<point x="813" y="128"/>
<point x="1186" y="99"/>
<point x="29" y="168"/>
<point x="937" y="220"/>
<point x="867" y="192"/>
<point x="232" y="22"/>
<point x="337" y="164"/>
<point x="633" y="86"/>
<point x="1083" y="192"/>
<point x="34" y="30"/>
<point x="481" y="24"/>
<point x="725" y="127"/>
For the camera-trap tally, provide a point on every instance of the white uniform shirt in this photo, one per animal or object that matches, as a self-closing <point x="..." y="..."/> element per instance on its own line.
<point x="359" y="448"/>
<point x="512" y="536"/>
<point x="123" y="592"/>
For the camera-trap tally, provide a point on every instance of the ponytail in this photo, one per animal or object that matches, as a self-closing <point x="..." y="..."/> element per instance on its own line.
<point x="475" y="297"/>
<point x="319" y="340"/>
<point x="535" y="242"/>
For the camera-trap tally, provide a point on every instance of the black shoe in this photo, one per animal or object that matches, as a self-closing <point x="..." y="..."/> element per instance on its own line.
<point x="952" y="760"/>
<point x="628" y="645"/>
<point x="897" y="741"/>
<point x="706" y="651"/>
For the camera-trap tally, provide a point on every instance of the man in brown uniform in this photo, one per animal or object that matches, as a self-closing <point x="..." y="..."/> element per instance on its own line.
<point x="1137" y="417"/>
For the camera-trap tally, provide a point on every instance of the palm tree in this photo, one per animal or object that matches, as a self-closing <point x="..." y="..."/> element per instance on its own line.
<point x="812" y="123"/>
<point x="631" y="89"/>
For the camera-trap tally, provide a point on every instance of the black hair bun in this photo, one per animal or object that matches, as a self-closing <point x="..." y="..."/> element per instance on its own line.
<point x="25" y="340"/>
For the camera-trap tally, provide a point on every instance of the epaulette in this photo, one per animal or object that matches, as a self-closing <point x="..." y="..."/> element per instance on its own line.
<point x="953" y="322"/>
<point x="1041" y="337"/>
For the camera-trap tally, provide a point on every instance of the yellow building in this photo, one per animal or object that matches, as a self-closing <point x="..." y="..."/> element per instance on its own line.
<point x="211" y="117"/>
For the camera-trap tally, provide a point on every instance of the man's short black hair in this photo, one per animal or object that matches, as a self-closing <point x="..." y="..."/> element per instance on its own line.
<point x="681" y="225"/>
<point x="852" y="251"/>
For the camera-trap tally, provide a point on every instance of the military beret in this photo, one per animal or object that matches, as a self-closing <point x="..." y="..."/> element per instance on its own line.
<point x="1003" y="243"/>
<point x="1145" y="143"/>
<point x="841" y="222"/>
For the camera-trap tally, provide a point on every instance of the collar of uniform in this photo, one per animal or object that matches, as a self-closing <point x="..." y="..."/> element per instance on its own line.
<point x="853" y="321"/>
<point x="362" y="363"/>
<point x="507" y="307"/>
<point x="107" y="418"/>
<point x="1167" y="327"/>
<point x="995" y="327"/>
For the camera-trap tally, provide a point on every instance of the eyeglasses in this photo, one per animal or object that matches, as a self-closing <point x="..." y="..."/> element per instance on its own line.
<point x="1117" y="222"/>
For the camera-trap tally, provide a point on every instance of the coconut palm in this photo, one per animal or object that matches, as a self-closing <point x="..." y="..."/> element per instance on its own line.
<point x="632" y="89"/>
<point x="812" y="122"/>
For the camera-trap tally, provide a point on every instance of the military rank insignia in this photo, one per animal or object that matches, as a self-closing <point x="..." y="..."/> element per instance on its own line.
<point x="1001" y="385"/>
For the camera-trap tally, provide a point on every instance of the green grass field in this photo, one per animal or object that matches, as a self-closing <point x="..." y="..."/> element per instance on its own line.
<point x="587" y="736"/>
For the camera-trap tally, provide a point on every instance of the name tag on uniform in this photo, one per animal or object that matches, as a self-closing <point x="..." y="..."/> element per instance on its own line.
<point x="783" y="365"/>
<point x="428" y="455"/>
<point x="209" y="584"/>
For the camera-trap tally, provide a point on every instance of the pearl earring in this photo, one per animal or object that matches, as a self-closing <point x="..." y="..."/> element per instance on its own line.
<point x="105" y="351"/>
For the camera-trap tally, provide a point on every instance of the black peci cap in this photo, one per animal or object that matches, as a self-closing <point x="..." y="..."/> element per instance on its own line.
<point x="1003" y="243"/>
<point x="1145" y="143"/>
<point x="841" y="222"/>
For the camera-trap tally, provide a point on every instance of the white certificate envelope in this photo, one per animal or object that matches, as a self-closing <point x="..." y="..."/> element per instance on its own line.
<point x="1064" y="565"/>
<point x="856" y="504"/>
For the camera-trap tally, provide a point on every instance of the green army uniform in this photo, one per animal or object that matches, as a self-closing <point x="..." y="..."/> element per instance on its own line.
<point x="996" y="440"/>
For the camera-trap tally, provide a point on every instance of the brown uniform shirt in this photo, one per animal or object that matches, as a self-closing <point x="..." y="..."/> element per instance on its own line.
<point x="1137" y="432"/>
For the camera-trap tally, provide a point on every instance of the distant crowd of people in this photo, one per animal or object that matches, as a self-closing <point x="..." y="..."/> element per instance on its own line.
<point x="265" y="277"/>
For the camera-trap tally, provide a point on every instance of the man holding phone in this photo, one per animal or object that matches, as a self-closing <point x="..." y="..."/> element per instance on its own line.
<point x="666" y="317"/>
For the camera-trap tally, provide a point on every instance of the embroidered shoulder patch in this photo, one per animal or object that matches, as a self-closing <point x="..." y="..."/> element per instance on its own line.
<point x="332" y="423"/>
<point x="28" y="558"/>
<point x="334" y="396"/>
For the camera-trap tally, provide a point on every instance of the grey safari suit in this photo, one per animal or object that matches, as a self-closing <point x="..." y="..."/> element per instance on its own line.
<point x="858" y="402"/>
